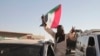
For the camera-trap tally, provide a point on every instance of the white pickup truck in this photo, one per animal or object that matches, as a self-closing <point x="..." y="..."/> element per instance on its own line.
<point x="87" y="39"/>
<point x="25" y="47"/>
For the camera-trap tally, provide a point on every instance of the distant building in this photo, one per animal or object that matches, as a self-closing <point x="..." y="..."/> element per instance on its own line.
<point x="13" y="34"/>
<point x="19" y="35"/>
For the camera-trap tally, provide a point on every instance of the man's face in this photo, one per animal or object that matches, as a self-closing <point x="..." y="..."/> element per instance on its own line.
<point x="62" y="27"/>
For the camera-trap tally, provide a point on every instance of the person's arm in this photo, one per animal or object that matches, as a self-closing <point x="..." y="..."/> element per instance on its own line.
<point x="66" y="37"/>
<point x="50" y="31"/>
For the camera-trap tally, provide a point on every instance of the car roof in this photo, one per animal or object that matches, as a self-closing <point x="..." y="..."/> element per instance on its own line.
<point x="90" y="32"/>
<point x="21" y="41"/>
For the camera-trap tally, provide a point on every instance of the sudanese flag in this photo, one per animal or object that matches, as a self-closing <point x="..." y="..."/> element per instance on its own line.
<point x="52" y="18"/>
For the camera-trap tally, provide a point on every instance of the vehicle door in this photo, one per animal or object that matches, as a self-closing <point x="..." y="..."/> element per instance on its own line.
<point x="97" y="45"/>
<point x="48" y="49"/>
<point x="81" y="46"/>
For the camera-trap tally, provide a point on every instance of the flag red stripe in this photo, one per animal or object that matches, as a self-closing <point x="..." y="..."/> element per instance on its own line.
<point x="57" y="16"/>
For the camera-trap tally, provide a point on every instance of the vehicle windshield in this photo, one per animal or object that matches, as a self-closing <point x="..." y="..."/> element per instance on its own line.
<point x="20" y="50"/>
<point x="99" y="41"/>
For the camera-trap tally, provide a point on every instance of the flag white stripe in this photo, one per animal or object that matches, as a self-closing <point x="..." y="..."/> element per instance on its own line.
<point x="50" y="19"/>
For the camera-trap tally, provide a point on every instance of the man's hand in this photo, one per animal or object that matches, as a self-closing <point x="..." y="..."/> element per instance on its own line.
<point x="43" y="20"/>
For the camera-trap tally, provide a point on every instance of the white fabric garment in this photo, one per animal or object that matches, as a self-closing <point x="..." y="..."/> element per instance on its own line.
<point x="60" y="48"/>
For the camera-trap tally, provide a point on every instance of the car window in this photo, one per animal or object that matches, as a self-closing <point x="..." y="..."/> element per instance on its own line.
<point x="20" y="50"/>
<point x="82" y="42"/>
<point x="78" y="43"/>
<point x="85" y="41"/>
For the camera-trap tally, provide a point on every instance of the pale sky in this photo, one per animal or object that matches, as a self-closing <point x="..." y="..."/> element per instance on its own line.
<point x="25" y="15"/>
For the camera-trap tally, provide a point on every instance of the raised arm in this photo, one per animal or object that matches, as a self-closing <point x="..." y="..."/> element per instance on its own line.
<point x="50" y="31"/>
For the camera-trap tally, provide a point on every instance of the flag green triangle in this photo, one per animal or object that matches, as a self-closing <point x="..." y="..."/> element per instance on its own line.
<point x="54" y="9"/>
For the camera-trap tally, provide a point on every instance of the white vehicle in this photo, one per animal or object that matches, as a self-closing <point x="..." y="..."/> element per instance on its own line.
<point x="84" y="40"/>
<point x="25" y="47"/>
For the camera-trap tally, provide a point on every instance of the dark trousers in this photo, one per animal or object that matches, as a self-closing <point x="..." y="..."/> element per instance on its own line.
<point x="71" y="44"/>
